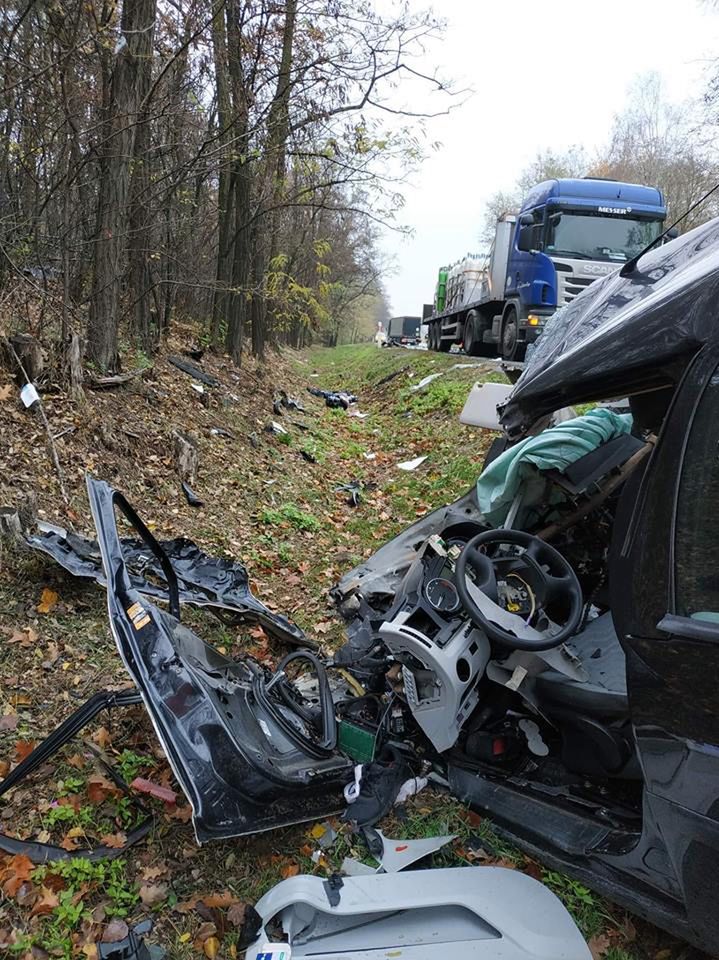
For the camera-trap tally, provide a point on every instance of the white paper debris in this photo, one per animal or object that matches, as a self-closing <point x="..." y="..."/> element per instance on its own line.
<point x="369" y="456"/>
<point x="29" y="395"/>
<point x="409" y="788"/>
<point x="411" y="464"/>
<point x="352" y="412"/>
<point x="198" y="387"/>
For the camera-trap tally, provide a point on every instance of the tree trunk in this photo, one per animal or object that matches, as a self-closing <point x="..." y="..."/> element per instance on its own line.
<point x="278" y="132"/>
<point x="140" y="245"/>
<point x="116" y="152"/>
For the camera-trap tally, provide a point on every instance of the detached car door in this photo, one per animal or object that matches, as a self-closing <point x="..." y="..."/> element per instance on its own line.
<point x="667" y="613"/>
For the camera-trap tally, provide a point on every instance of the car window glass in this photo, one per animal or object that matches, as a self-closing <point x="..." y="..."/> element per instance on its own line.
<point x="697" y="521"/>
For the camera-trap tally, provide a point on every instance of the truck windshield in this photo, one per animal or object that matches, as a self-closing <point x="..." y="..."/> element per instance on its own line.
<point x="590" y="236"/>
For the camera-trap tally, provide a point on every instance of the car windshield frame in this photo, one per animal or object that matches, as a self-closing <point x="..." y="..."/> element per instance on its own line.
<point x="618" y="252"/>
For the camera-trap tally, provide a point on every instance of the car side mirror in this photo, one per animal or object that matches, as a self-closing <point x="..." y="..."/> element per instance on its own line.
<point x="524" y="239"/>
<point x="672" y="233"/>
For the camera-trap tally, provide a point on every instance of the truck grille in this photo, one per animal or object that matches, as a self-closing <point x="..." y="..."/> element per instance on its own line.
<point x="569" y="286"/>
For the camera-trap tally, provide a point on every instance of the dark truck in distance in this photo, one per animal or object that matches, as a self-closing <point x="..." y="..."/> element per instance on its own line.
<point x="404" y="330"/>
<point x="567" y="234"/>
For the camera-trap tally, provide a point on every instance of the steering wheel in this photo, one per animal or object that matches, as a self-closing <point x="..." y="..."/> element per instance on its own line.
<point x="542" y="569"/>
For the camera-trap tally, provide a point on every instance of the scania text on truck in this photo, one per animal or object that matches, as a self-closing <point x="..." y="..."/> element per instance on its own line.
<point x="567" y="234"/>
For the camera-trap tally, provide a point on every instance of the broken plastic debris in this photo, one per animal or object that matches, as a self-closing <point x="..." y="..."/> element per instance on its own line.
<point x="355" y="868"/>
<point x="198" y="387"/>
<point x="395" y="855"/>
<point x="191" y="496"/>
<point x="411" y="464"/>
<point x="369" y="456"/>
<point x="29" y="395"/>
<point x="420" y="915"/>
<point x="274" y="427"/>
<point x="358" y="414"/>
<point x="333" y="399"/>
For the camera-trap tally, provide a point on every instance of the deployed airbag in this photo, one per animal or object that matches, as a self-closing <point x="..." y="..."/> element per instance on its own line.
<point x="553" y="449"/>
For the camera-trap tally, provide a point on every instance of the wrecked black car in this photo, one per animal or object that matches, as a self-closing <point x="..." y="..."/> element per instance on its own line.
<point x="546" y="647"/>
<point x="564" y="663"/>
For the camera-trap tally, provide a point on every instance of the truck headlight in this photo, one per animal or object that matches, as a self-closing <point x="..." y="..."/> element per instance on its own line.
<point x="533" y="320"/>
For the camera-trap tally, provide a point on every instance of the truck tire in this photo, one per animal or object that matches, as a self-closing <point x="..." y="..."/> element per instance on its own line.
<point x="474" y="345"/>
<point x="510" y="347"/>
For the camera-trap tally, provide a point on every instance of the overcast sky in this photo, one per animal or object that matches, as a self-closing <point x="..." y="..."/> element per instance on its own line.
<point x="545" y="74"/>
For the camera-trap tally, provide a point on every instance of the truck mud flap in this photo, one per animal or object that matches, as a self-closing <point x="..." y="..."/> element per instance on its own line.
<point x="238" y="758"/>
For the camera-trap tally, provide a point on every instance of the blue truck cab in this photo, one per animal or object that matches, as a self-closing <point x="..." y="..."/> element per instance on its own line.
<point x="567" y="234"/>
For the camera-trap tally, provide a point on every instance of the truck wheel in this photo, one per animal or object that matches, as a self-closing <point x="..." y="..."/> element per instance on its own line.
<point x="511" y="348"/>
<point x="474" y="345"/>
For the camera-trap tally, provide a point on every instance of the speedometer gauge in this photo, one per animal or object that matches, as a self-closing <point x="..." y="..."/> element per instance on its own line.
<point x="442" y="595"/>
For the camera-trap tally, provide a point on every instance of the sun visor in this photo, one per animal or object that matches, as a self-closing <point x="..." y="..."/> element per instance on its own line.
<point x="624" y="335"/>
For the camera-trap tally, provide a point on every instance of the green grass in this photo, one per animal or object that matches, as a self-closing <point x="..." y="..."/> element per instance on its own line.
<point x="289" y="514"/>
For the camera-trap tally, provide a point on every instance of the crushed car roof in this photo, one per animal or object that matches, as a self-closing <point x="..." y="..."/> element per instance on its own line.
<point x="624" y="335"/>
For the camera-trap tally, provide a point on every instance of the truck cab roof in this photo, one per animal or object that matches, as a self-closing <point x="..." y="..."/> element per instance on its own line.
<point x="593" y="193"/>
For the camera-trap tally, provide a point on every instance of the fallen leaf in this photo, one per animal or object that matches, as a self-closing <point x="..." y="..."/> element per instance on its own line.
<point x="46" y="902"/>
<point x="225" y="899"/>
<point x="8" y="721"/>
<point x="23" y="748"/>
<point x="99" y="788"/>
<point x="152" y="873"/>
<point x="17" y="870"/>
<point x="89" y="951"/>
<point x="114" y="840"/>
<point x="598" y="945"/>
<point x="48" y="600"/>
<point x="236" y="914"/>
<point x="183" y="814"/>
<point x="4" y="768"/>
<point x="76" y="760"/>
<point x="211" y="947"/>
<point x="6" y="392"/>
<point x="102" y="737"/>
<point x="68" y="843"/>
<point x="115" y="930"/>
<point x="205" y="931"/>
<point x="291" y="870"/>
<point x="154" y="790"/>
<point x="153" y="893"/>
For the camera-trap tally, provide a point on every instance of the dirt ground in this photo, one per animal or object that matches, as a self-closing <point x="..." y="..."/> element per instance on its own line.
<point x="269" y="506"/>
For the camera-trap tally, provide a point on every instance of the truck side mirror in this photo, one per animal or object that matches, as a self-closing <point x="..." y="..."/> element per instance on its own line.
<point x="524" y="239"/>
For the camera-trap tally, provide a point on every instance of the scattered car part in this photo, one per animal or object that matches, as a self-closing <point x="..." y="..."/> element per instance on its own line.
<point x="334" y="398"/>
<point x="132" y="947"/>
<point x="190" y="495"/>
<point x="192" y="370"/>
<point x="467" y="912"/>
<point x="354" y="489"/>
<point x="274" y="427"/>
<point x="45" y="852"/>
<point x="203" y="581"/>
<point x="249" y="753"/>
<point x="396" y="855"/>
<point x="290" y="403"/>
